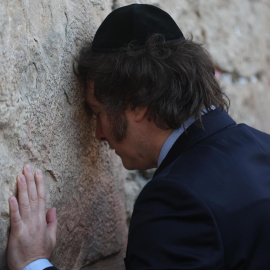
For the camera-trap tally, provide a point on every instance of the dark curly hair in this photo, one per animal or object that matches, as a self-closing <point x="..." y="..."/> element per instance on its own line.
<point x="174" y="81"/>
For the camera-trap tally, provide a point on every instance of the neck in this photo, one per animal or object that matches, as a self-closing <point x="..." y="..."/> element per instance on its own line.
<point x="153" y="145"/>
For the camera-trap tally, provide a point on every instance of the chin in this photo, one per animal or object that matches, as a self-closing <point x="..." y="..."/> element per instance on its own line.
<point x="129" y="166"/>
<point x="133" y="166"/>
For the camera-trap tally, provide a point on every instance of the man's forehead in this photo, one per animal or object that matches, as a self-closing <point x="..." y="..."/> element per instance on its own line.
<point x="90" y="99"/>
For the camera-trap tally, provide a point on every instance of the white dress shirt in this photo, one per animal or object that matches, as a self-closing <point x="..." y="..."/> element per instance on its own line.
<point x="39" y="264"/>
<point x="172" y="139"/>
<point x="176" y="134"/>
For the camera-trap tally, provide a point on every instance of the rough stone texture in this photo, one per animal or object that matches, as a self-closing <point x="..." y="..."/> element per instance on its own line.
<point x="42" y="120"/>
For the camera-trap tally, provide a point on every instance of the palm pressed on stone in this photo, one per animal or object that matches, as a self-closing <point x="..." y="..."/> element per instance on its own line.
<point x="33" y="231"/>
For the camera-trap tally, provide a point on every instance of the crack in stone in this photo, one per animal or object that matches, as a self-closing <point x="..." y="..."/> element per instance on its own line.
<point x="66" y="24"/>
<point x="52" y="175"/>
<point x="5" y="215"/>
<point x="67" y="97"/>
<point x="114" y="4"/>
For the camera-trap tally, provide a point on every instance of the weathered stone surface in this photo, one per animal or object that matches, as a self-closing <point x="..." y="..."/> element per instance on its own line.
<point x="133" y="185"/>
<point x="250" y="99"/>
<point x="120" y="3"/>
<point x="42" y="120"/>
<point x="43" y="123"/>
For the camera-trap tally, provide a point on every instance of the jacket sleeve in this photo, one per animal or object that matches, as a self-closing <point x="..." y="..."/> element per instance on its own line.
<point x="172" y="229"/>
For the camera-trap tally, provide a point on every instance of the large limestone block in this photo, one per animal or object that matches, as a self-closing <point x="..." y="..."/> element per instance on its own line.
<point x="249" y="101"/>
<point x="43" y="123"/>
<point x="234" y="31"/>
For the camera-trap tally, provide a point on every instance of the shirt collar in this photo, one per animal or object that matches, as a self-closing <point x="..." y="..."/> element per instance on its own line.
<point x="176" y="134"/>
<point x="173" y="138"/>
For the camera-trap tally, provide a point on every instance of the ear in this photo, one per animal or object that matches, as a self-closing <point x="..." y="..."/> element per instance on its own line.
<point x="140" y="113"/>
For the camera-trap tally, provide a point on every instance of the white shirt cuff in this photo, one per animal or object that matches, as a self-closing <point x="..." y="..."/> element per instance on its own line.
<point x="39" y="264"/>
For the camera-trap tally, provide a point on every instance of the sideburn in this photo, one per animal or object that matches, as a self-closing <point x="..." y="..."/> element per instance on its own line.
<point x="119" y="125"/>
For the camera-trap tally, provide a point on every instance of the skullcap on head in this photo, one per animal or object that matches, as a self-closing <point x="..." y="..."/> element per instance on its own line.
<point x="134" y="23"/>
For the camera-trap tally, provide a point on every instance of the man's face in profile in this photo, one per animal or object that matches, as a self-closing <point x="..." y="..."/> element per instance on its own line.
<point x="115" y="129"/>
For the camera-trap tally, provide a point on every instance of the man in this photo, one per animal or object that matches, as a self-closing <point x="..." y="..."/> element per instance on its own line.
<point x="158" y="104"/>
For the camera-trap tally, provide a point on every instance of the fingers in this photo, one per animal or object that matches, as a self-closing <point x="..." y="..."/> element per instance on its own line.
<point x="51" y="217"/>
<point x="32" y="235"/>
<point x="24" y="205"/>
<point x="31" y="188"/>
<point x="52" y="223"/>
<point x="31" y="194"/>
<point x="15" y="218"/>
<point x="40" y="192"/>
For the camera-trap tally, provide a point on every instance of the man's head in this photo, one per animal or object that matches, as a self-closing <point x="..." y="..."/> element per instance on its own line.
<point x="127" y="133"/>
<point x="139" y="58"/>
<point x="173" y="77"/>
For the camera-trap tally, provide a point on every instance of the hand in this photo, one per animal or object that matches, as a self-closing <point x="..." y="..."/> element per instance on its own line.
<point x="33" y="232"/>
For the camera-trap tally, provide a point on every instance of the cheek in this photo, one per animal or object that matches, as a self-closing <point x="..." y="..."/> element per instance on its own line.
<point x="101" y="128"/>
<point x="107" y="128"/>
<point x="119" y="125"/>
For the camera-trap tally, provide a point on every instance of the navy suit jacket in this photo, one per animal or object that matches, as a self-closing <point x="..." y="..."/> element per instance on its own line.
<point x="208" y="204"/>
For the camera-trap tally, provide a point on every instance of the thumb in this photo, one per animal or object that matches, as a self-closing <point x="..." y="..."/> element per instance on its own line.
<point x="52" y="223"/>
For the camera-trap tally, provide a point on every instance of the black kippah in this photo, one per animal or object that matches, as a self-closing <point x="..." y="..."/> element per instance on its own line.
<point x="134" y="23"/>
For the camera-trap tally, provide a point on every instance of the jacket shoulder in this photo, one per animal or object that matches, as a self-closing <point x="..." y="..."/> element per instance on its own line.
<point x="168" y="225"/>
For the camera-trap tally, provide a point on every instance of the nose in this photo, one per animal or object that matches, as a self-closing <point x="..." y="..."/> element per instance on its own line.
<point x="99" y="132"/>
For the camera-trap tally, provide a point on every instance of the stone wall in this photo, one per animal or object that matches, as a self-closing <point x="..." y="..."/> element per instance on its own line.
<point x="43" y="122"/>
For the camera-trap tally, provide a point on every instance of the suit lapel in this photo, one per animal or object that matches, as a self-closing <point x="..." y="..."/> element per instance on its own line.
<point x="213" y="122"/>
